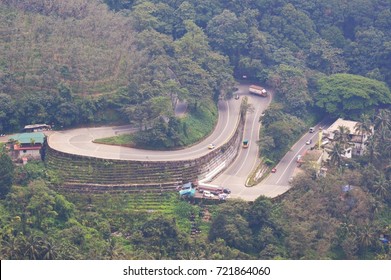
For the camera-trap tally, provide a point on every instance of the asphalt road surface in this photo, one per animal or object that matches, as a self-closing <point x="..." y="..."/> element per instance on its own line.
<point x="79" y="141"/>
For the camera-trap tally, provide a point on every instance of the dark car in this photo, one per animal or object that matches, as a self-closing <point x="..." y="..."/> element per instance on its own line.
<point x="226" y="190"/>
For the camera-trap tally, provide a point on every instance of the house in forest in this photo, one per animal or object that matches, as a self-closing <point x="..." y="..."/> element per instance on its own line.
<point x="356" y="136"/>
<point x="27" y="145"/>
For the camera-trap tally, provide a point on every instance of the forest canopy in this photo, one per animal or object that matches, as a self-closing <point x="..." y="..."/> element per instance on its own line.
<point x="84" y="62"/>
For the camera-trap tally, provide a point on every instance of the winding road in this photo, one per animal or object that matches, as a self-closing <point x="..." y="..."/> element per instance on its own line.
<point x="80" y="141"/>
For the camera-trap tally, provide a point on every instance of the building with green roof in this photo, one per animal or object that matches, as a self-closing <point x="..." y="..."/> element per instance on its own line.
<point x="28" y="145"/>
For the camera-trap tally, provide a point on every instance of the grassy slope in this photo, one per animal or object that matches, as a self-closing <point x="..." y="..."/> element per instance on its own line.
<point x="195" y="127"/>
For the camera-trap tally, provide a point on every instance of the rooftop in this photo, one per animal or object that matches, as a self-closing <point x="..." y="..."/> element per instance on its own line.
<point x="351" y="125"/>
<point x="28" y="138"/>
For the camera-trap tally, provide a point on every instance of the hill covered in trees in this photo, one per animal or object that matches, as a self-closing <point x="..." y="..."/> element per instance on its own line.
<point x="79" y="63"/>
<point x="83" y="62"/>
<point x="86" y="62"/>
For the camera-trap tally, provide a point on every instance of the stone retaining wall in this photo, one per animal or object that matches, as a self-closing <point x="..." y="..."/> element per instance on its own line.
<point x="89" y="173"/>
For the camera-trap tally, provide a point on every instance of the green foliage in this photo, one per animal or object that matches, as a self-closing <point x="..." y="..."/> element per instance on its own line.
<point x="279" y="131"/>
<point x="346" y="95"/>
<point x="251" y="229"/>
<point x="291" y="88"/>
<point x="197" y="124"/>
<point x="33" y="170"/>
<point x="6" y="174"/>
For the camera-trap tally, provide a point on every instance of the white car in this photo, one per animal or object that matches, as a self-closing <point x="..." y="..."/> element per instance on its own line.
<point x="207" y="194"/>
<point x="211" y="146"/>
<point x="309" y="142"/>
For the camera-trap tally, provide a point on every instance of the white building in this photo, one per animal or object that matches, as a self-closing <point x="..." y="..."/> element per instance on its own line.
<point x="356" y="137"/>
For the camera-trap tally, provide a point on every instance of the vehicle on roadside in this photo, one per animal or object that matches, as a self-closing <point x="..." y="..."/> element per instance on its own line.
<point x="237" y="96"/>
<point x="223" y="196"/>
<point x="207" y="194"/>
<point x="274" y="170"/>
<point x="211" y="146"/>
<point x="226" y="191"/>
<point x="312" y="130"/>
<point x="210" y="188"/>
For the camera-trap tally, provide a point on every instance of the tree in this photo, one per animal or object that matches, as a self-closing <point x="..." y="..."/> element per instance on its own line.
<point x="291" y="88"/>
<point x="335" y="154"/>
<point x="6" y="174"/>
<point x="363" y="127"/>
<point x="342" y="136"/>
<point x="346" y="95"/>
<point x="382" y="187"/>
<point x="382" y="123"/>
<point x="228" y="33"/>
<point x="325" y="58"/>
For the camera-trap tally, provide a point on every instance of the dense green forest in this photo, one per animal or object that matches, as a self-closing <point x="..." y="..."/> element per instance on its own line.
<point x="80" y="62"/>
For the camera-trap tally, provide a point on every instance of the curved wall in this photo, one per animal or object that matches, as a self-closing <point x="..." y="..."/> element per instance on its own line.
<point x="83" y="173"/>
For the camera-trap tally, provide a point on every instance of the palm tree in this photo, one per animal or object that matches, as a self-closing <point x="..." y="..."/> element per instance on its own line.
<point x="365" y="236"/>
<point x="383" y="122"/>
<point x="342" y="136"/>
<point x="10" y="248"/>
<point x="335" y="155"/>
<point x="363" y="127"/>
<point x="50" y="250"/>
<point x="33" y="247"/>
<point x="372" y="148"/>
<point x="382" y="186"/>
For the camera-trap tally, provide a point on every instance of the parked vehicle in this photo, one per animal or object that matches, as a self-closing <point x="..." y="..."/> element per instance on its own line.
<point x="211" y="188"/>
<point x="274" y="170"/>
<point x="312" y="130"/>
<point x="226" y="191"/>
<point x="207" y="194"/>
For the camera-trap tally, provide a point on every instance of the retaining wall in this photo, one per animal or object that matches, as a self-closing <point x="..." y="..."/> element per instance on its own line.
<point x="86" y="174"/>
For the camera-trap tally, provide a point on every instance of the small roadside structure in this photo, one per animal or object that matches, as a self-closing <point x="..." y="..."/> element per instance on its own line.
<point x="37" y="127"/>
<point x="27" y="145"/>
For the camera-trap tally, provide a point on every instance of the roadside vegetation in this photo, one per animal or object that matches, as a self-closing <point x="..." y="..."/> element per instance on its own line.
<point x="172" y="133"/>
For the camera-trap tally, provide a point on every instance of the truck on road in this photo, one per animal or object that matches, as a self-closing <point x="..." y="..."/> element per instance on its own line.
<point x="257" y="90"/>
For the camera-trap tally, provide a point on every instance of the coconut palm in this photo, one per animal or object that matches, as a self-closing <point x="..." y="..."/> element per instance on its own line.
<point x="372" y="148"/>
<point x="50" y="250"/>
<point x="11" y="249"/>
<point x="335" y="155"/>
<point x="365" y="236"/>
<point x="382" y="186"/>
<point x="342" y="136"/>
<point x="364" y="127"/>
<point x="33" y="247"/>
<point x="383" y="123"/>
